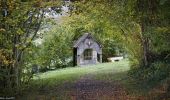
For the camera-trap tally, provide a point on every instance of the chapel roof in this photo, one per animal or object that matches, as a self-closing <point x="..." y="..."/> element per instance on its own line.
<point x="82" y="38"/>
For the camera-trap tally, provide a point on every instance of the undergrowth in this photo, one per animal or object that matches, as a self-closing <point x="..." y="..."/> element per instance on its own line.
<point x="157" y="76"/>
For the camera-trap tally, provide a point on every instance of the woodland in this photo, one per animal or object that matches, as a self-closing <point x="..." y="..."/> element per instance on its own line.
<point x="36" y="36"/>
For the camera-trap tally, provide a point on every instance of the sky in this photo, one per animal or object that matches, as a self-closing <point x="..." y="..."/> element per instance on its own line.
<point x="52" y="14"/>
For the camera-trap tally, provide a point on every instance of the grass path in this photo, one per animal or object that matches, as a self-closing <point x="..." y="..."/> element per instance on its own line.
<point x="88" y="88"/>
<point x="95" y="82"/>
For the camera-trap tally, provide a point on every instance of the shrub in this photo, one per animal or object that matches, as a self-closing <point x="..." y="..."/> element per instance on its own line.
<point x="153" y="74"/>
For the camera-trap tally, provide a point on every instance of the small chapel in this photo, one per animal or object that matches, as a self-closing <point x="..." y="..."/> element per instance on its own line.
<point x="86" y="50"/>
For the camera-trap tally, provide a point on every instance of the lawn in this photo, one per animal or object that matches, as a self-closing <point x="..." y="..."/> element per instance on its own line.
<point x="71" y="74"/>
<point x="50" y="84"/>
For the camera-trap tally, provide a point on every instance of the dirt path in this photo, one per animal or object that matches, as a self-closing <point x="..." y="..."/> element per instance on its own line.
<point x="87" y="88"/>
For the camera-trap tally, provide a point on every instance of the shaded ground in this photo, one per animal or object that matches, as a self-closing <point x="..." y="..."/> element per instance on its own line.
<point x="87" y="88"/>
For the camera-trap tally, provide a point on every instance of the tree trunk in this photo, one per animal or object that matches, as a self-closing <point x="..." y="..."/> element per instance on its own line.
<point x="145" y="45"/>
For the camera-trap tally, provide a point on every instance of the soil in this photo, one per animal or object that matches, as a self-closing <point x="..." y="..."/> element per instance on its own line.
<point x="88" y="88"/>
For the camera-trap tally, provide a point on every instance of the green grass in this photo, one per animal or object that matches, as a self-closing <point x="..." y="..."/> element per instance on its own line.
<point x="71" y="74"/>
<point x="48" y="84"/>
<point x="50" y="81"/>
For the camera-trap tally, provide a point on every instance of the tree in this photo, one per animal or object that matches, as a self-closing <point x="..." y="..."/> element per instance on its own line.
<point x="56" y="48"/>
<point x="153" y="19"/>
<point x="20" y="22"/>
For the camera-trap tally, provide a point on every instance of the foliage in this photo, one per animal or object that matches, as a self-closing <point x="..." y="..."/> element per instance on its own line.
<point x="56" y="48"/>
<point x="20" y="22"/>
<point x="139" y="28"/>
<point x="154" y="74"/>
<point x="153" y="19"/>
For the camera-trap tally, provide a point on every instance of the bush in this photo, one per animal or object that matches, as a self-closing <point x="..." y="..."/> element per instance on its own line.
<point x="155" y="73"/>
